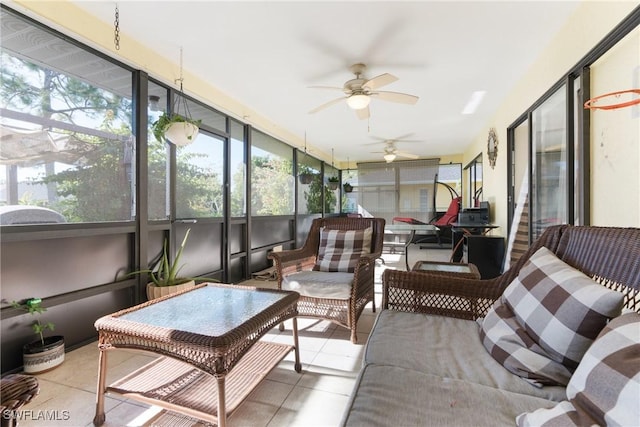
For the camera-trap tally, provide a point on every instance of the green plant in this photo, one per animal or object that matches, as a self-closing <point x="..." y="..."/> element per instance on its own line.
<point x="165" y="272"/>
<point x="333" y="179"/>
<point x="160" y="126"/>
<point x="34" y="307"/>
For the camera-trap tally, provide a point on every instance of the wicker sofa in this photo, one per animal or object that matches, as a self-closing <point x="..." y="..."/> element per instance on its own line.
<point x="427" y="363"/>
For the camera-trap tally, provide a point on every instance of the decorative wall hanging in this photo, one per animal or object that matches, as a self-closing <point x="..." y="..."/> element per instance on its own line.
<point x="492" y="147"/>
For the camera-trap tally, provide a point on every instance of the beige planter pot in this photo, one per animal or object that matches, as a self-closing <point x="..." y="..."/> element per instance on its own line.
<point x="182" y="133"/>
<point x="154" y="291"/>
<point x="37" y="358"/>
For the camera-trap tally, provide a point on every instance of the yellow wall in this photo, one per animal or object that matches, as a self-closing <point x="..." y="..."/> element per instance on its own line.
<point x="589" y="25"/>
<point x="615" y="138"/>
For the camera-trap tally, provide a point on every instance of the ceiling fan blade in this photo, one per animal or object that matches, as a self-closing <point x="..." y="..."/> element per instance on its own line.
<point x="392" y="140"/>
<point x="402" y="98"/>
<point x="327" y="104"/>
<point x="326" y="87"/>
<point x="363" y="113"/>
<point x="379" y="81"/>
<point x="407" y="155"/>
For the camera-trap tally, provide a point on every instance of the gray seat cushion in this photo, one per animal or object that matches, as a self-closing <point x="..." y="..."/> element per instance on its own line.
<point x="320" y="284"/>
<point x="445" y="347"/>
<point x="394" y="396"/>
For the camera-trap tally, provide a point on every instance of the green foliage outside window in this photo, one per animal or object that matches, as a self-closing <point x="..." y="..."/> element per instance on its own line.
<point x="313" y="197"/>
<point x="272" y="181"/>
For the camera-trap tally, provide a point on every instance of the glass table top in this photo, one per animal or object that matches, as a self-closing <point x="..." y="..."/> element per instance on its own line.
<point x="452" y="268"/>
<point x="209" y="310"/>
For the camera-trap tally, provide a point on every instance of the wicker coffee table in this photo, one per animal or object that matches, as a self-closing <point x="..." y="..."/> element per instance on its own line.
<point x="207" y="340"/>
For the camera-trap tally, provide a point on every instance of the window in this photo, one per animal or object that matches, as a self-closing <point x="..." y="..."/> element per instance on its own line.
<point x="238" y="171"/>
<point x="449" y="185"/>
<point x="387" y="190"/>
<point x="310" y="185"/>
<point x="199" y="178"/>
<point x="158" y="159"/>
<point x="271" y="176"/>
<point x="332" y="190"/>
<point x="66" y="128"/>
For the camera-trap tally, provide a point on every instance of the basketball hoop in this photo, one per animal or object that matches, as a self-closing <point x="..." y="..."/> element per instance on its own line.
<point x="591" y="104"/>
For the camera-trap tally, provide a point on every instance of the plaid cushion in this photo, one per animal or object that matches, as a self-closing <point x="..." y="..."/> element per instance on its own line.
<point x="605" y="388"/>
<point x="562" y="309"/>
<point x="563" y="414"/>
<point x="511" y="346"/>
<point x="607" y="381"/>
<point x="340" y="250"/>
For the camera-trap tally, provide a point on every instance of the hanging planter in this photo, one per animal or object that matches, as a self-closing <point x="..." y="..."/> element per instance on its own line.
<point x="333" y="182"/>
<point x="348" y="188"/>
<point x="305" y="178"/>
<point x="175" y="128"/>
<point x="179" y="129"/>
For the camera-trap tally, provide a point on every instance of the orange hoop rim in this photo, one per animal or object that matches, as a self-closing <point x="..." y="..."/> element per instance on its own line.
<point x="590" y="103"/>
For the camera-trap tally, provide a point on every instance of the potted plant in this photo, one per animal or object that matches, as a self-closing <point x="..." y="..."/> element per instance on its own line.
<point x="45" y="353"/>
<point x="176" y="128"/>
<point x="333" y="182"/>
<point x="164" y="273"/>
<point x="348" y="188"/>
<point x="305" y="174"/>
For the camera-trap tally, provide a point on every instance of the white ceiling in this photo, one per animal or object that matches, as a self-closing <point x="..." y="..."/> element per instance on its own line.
<point x="266" y="55"/>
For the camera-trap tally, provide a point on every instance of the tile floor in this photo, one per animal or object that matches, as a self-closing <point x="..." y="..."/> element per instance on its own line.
<point x="315" y="397"/>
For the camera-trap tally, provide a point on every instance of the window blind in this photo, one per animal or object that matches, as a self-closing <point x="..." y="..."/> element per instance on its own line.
<point x="397" y="189"/>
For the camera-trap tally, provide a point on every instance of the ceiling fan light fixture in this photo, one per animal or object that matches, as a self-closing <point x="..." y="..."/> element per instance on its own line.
<point x="358" y="101"/>
<point x="389" y="157"/>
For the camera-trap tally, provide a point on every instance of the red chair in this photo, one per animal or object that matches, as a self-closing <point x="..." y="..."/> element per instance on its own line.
<point x="444" y="222"/>
<point x="450" y="216"/>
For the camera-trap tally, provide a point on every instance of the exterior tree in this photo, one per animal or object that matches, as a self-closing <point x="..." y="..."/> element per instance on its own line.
<point x="272" y="184"/>
<point x="94" y="182"/>
<point x="97" y="185"/>
<point x="314" y="197"/>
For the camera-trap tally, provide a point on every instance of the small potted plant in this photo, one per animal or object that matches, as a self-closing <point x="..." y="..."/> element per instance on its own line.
<point x="45" y="353"/>
<point x="164" y="273"/>
<point x="333" y="182"/>
<point x="348" y="188"/>
<point x="176" y="128"/>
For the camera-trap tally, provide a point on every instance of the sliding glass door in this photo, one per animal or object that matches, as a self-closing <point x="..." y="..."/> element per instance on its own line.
<point x="549" y="163"/>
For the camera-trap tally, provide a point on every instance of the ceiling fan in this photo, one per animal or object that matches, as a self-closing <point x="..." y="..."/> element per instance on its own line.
<point x="359" y="91"/>
<point x="391" y="152"/>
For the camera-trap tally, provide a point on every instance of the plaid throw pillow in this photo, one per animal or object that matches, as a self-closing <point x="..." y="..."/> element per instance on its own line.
<point x="607" y="381"/>
<point x="563" y="414"/>
<point x="562" y="309"/>
<point x="604" y="389"/>
<point x="513" y="348"/>
<point x="340" y="250"/>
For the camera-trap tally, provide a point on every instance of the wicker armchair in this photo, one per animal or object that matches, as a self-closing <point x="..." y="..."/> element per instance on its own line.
<point x="16" y="390"/>
<point x="615" y="264"/>
<point x="343" y="311"/>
